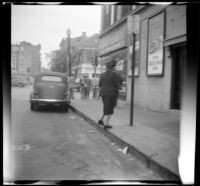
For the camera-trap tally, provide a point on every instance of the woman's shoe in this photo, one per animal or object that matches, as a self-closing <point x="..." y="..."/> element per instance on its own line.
<point x="100" y="122"/>
<point x="107" y="126"/>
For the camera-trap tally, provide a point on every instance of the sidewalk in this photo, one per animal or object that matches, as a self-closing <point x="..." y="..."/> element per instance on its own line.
<point x="153" y="138"/>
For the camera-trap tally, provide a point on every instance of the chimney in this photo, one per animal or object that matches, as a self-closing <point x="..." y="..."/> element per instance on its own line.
<point x="83" y="35"/>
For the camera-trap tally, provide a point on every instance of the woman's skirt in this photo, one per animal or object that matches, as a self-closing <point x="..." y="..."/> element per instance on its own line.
<point x="109" y="103"/>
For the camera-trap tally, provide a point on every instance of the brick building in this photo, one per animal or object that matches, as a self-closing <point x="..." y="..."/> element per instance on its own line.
<point x="16" y="58"/>
<point x="160" y="51"/>
<point x="25" y="58"/>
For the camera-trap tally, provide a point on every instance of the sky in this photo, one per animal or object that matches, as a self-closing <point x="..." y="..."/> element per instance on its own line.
<point x="47" y="24"/>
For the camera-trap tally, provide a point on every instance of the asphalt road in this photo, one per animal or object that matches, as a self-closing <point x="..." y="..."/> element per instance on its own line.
<point x="54" y="145"/>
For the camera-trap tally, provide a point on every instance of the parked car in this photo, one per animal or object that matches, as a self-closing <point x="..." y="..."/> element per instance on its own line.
<point x="18" y="81"/>
<point x="50" y="88"/>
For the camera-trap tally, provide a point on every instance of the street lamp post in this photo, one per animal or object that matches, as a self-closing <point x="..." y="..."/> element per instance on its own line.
<point x="69" y="53"/>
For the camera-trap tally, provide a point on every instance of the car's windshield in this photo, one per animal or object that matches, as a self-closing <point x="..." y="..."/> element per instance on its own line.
<point x="51" y="78"/>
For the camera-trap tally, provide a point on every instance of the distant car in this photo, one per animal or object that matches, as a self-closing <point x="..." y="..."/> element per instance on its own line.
<point x="50" y="88"/>
<point x="18" y="81"/>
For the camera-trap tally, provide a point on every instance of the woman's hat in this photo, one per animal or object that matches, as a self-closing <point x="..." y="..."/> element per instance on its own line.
<point x="111" y="64"/>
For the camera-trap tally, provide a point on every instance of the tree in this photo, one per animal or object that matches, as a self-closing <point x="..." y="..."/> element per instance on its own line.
<point x="58" y="61"/>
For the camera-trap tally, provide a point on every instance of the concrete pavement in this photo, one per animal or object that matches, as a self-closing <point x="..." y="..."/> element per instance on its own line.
<point x="153" y="138"/>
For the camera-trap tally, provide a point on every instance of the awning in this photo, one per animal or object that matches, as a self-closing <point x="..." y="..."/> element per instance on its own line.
<point x="116" y="55"/>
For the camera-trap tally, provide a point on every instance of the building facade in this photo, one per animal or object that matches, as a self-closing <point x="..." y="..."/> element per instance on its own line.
<point x="16" y="58"/>
<point x="160" y="52"/>
<point x="84" y="57"/>
<point x="83" y="51"/>
<point x="25" y="58"/>
<point x="113" y="40"/>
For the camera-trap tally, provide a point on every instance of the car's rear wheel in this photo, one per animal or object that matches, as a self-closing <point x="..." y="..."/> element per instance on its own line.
<point x="65" y="108"/>
<point x="34" y="106"/>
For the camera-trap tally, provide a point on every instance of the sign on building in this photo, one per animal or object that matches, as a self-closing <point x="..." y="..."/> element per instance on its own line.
<point x="155" y="45"/>
<point x="133" y="26"/>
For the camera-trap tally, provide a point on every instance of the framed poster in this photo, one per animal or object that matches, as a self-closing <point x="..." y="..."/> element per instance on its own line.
<point x="155" y="55"/>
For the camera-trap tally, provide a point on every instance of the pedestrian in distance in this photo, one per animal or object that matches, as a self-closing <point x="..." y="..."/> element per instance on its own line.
<point x="82" y="87"/>
<point x="85" y="86"/>
<point x="88" y="86"/>
<point x="109" y="87"/>
<point x="95" y="85"/>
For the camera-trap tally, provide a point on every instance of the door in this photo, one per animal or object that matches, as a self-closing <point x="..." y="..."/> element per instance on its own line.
<point x="178" y="68"/>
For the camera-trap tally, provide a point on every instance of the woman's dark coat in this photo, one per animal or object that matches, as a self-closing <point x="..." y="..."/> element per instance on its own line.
<point x="109" y="83"/>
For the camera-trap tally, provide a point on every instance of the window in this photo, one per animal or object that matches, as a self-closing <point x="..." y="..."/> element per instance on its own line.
<point x="112" y="14"/>
<point x="115" y="13"/>
<point x="51" y="78"/>
<point x="134" y="7"/>
<point x="107" y="9"/>
<point x="125" y="9"/>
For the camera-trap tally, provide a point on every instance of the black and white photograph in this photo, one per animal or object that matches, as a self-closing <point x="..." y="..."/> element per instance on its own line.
<point x="99" y="93"/>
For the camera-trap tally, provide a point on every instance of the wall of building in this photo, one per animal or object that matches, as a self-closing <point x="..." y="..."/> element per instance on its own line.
<point x="32" y="57"/>
<point x="113" y="40"/>
<point x="154" y="92"/>
<point x="151" y="91"/>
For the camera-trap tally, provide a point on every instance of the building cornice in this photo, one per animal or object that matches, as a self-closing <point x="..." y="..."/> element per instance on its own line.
<point x="120" y="21"/>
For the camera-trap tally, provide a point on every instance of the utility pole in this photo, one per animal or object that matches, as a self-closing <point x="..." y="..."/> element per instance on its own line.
<point x="132" y="82"/>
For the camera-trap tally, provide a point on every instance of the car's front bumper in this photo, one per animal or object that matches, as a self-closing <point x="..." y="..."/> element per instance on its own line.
<point x="50" y="101"/>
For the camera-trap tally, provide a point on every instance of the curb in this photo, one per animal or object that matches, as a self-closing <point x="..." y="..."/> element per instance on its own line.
<point x="162" y="171"/>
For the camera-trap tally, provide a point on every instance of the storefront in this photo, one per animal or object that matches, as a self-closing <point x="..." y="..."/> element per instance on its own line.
<point x="162" y="54"/>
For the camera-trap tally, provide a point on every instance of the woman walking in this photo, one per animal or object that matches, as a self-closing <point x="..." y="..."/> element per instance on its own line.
<point x="109" y="88"/>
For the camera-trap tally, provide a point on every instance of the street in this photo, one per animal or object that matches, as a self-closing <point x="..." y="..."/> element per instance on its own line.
<point x="51" y="144"/>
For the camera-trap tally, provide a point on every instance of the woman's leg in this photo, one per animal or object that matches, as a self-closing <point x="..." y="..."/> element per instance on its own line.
<point x="102" y="118"/>
<point x="108" y="119"/>
<point x="110" y="110"/>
